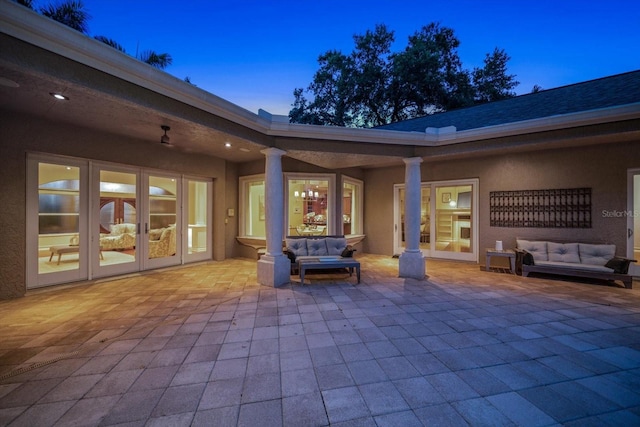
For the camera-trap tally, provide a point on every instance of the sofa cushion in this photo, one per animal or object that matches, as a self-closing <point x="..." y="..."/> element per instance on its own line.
<point x="317" y="247"/>
<point x="335" y="245"/>
<point x="596" y="254"/>
<point x="297" y="246"/>
<point x="563" y="252"/>
<point x="537" y="249"/>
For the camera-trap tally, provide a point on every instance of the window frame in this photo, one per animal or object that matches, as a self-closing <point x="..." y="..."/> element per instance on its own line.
<point x="243" y="203"/>
<point x="331" y="197"/>
<point x="359" y="184"/>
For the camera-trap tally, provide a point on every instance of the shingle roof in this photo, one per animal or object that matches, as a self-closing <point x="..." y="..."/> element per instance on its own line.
<point x="610" y="91"/>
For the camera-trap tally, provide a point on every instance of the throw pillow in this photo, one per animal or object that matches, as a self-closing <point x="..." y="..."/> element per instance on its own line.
<point x="348" y="252"/>
<point x="618" y="264"/>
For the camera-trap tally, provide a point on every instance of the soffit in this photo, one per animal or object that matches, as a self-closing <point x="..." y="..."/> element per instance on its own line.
<point x="118" y="103"/>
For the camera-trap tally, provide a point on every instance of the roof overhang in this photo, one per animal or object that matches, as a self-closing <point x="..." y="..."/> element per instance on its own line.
<point x="202" y="121"/>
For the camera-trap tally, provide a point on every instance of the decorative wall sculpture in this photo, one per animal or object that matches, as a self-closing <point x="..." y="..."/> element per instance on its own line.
<point x="559" y="208"/>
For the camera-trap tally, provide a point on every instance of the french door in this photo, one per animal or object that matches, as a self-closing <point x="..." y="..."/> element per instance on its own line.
<point x="448" y="219"/>
<point x="88" y="220"/>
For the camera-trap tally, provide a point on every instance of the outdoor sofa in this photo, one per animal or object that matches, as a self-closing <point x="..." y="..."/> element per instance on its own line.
<point x="313" y="247"/>
<point x="588" y="260"/>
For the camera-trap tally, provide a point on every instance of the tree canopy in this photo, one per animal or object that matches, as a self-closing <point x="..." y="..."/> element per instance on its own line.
<point x="373" y="86"/>
<point x="73" y="14"/>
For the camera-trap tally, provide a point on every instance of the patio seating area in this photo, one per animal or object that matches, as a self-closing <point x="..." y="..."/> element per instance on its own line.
<point x="206" y="345"/>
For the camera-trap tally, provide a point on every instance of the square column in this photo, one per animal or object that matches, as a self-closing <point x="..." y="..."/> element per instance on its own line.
<point x="412" y="261"/>
<point x="274" y="268"/>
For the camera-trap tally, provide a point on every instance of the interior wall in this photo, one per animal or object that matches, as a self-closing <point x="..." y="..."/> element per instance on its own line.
<point x="22" y="134"/>
<point x="603" y="168"/>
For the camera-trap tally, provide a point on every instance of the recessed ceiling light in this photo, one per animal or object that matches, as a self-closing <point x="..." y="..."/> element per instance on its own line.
<point x="227" y="144"/>
<point x="59" y="96"/>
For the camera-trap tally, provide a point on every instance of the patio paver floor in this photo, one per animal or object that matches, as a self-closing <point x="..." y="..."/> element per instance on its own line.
<point x="206" y="345"/>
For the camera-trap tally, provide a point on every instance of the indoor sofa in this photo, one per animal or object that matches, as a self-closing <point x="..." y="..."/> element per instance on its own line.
<point x="589" y="260"/>
<point x="122" y="236"/>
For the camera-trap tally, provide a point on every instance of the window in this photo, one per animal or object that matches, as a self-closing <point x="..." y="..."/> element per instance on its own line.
<point x="309" y="200"/>
<point x="252" y="206"/>
<point x="352" y="190"/>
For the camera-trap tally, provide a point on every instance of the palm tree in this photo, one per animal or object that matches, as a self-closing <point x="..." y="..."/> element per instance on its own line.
<point x="70" y="13"/>
<point x="157" y="60"/>
<point x="27" y="3"/>
<point x="111" y="42"/>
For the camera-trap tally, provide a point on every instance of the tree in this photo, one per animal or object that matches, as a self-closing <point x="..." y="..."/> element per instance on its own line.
<point x="373" y="86"/>
<point x="492" y="81"/>
<point x="157" y="60"/>
<point x="70" y="13"/>
<point x="27" y="3"/>
<point x="114" y="44"/>
<point x="429" y="73"/>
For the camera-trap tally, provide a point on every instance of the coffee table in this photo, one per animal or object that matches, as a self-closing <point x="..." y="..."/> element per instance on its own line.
<point x="328" y="263"/>
<point x="66" y="249"/>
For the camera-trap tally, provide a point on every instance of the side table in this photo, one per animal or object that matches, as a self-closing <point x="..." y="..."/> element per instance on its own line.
<point x="507" y="253"/>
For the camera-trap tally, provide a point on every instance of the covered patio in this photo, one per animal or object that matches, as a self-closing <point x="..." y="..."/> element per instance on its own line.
<point x="206" y="344"/>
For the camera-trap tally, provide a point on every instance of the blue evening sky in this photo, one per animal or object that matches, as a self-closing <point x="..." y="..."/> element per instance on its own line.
<point x="254" y="53"/>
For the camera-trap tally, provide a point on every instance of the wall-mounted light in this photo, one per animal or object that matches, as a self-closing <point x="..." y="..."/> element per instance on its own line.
<point x="164" y="139"/>
<point x="59" y="96"/>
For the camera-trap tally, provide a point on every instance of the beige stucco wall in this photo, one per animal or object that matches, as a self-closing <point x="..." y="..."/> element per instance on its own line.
<point x="22" y="134"/>
<point x="600" y="167"/>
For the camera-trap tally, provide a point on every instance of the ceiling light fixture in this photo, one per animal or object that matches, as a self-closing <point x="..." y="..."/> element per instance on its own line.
<point x="59" y="96"/>
<point x="165" y="138"/>
<point x="227" y="144"/>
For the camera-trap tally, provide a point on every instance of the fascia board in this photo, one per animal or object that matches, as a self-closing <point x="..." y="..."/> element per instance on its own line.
<point x="545" y="124"/>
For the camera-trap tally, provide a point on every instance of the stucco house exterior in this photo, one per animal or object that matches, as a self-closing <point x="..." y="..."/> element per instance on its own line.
<point x="90" y="191"/>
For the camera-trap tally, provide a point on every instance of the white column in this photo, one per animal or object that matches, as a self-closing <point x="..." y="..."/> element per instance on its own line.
<point x="412" y="262"/>
<point x="274" y="268"/>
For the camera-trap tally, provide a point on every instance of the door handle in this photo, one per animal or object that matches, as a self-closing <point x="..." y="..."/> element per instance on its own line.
<point x="146" y="228"/>
<point x="629" y="232"/>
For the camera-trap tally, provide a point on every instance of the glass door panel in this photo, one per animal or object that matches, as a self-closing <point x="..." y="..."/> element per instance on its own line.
<point x="197" y="212"/>
<point x="161" y="231"/>
<point x="425" y="218"/>
<point x="116" y="221"/>
<point x="56" y="218"/>
<point x="447" y="220"/>
<point x="453" y="221"/>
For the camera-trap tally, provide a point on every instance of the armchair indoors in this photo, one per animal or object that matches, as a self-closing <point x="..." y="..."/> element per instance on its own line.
<point x="162" y="242"/>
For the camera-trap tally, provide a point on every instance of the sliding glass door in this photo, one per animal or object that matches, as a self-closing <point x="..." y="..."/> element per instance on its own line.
<point x="89" y="219"/>
<point x="448" y="220"/>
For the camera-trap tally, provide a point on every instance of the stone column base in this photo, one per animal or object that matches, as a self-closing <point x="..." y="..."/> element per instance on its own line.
<point x="274" y="270"/>
<point x="412" y="265"/>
